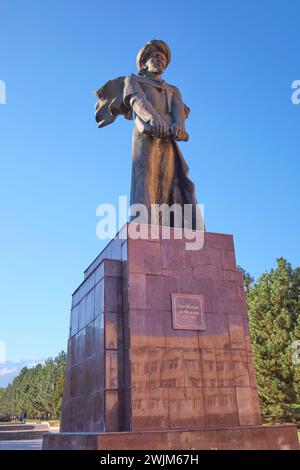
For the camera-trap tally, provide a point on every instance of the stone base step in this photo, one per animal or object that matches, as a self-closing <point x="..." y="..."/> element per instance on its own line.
<point x="16" y="432"/>
<point x="278" y="437"/>
<point x="21" y="435"/>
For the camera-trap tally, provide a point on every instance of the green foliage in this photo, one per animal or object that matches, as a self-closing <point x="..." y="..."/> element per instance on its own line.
<point x="248" y="279"/>
<point x="36" y="390"/>
<point x="274" y="306"/>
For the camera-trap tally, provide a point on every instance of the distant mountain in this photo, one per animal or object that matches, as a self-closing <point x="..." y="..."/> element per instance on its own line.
<point x="9" y="370"/>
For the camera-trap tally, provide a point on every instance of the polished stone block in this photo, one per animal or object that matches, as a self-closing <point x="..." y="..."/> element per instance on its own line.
<point x="94" y="375"/>
<point x="129" y="369"/>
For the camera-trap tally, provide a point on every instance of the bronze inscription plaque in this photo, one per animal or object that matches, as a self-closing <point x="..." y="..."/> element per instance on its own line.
<point x="188" y="312"/>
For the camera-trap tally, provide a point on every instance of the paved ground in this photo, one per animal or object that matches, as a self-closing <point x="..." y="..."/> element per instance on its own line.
<point x="35" y="444"/>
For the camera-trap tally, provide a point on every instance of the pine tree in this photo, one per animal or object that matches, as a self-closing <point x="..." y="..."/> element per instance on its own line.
<point x="273" y="304"/>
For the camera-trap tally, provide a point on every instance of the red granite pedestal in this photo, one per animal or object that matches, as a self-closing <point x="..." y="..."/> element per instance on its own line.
<point x="159" y="353"/>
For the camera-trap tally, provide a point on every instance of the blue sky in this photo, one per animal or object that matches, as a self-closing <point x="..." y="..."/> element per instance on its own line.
<point x="234" y="62"/>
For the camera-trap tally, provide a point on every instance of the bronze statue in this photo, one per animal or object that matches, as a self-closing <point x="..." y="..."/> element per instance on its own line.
<point x="159" y="171"/>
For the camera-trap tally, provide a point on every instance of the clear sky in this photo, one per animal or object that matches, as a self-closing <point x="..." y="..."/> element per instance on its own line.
<point x="234" y="62"/>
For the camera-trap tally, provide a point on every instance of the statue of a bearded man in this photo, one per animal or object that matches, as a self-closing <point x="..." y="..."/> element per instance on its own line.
<point x="159" y="171"/>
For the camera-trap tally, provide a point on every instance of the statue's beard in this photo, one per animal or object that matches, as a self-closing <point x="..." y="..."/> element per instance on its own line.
<point x="157" y="69"/>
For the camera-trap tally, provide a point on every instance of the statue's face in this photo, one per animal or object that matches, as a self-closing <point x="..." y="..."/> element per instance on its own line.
<point x="157" y="62"/>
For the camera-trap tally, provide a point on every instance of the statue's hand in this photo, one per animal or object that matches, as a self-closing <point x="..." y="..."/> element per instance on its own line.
<point x="178" y="132"/>
<point x="160" y="128"/>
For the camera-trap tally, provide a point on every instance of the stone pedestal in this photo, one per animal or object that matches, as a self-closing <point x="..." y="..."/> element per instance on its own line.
<point x="159" y="341"/>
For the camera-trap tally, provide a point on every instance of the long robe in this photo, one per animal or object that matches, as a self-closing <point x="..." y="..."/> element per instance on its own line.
<point x="159" y="171"/>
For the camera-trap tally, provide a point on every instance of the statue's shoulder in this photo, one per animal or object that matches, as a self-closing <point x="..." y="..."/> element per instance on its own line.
<point x="175" y="89"/>
<point x="178" y="94"/>
<point x="131" y="85"/>
<point x="131" y="78"/>
<point x="132" y="81"/>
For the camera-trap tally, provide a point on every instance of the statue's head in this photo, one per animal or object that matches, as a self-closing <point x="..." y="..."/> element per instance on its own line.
<point x="155" y="56"/>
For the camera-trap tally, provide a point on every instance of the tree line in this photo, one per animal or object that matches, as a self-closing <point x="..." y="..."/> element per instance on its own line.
<point x="36" y="391"/>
